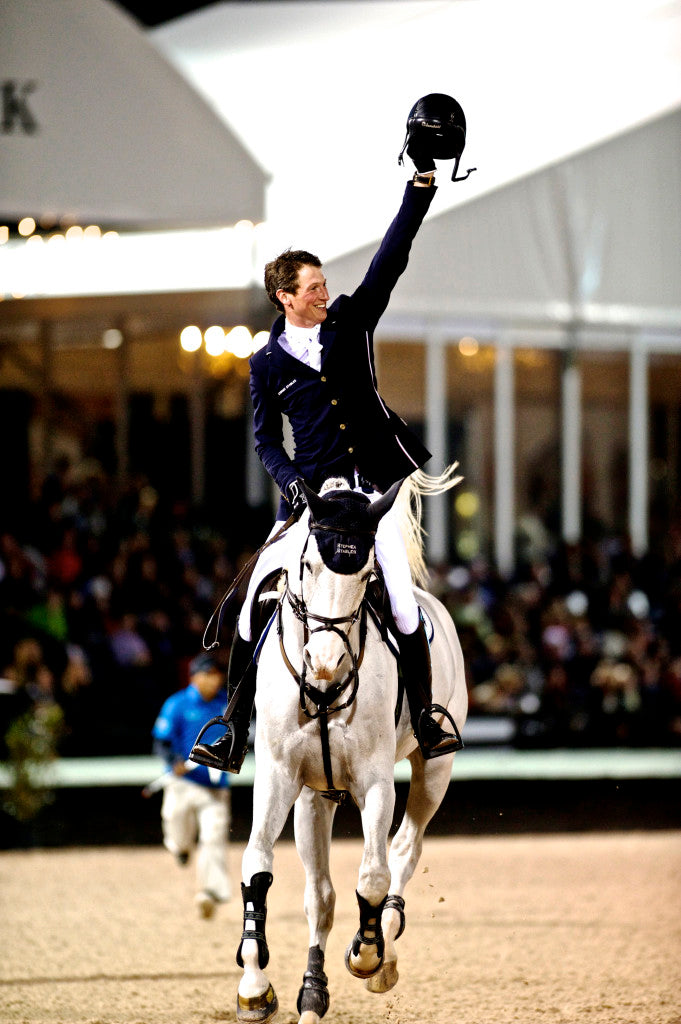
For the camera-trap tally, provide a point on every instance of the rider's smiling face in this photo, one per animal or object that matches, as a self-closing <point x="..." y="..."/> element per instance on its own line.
<point x="306" y="307"/>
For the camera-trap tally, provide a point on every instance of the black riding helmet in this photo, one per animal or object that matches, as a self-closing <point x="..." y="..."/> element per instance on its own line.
<point x="437" y="126"/>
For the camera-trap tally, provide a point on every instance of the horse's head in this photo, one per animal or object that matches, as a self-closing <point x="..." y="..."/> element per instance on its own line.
<point x="330" y="566"/>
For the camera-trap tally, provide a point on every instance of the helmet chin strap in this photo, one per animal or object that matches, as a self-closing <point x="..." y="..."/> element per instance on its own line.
<point x="463" y="176"/>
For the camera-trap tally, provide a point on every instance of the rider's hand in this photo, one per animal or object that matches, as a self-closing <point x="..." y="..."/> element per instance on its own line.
<point x="296" y="497"/>
<point x="423" y="159"/>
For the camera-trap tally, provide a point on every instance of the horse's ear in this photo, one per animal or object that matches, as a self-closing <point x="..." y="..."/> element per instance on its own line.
<point x="378" y="508"/>
<point x="318" y="506"/>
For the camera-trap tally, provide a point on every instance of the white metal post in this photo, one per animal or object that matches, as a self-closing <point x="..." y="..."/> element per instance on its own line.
<point x="436" y="442"/>
<point x="571" y="448"/>
<point x="504" y="456"/>
<point x="638" y="445"/>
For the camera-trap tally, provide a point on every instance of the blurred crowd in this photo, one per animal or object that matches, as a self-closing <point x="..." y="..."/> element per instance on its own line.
<point x="104" y="599"/>
<point x="103" y="602"/>
<point x="582" y="647"/>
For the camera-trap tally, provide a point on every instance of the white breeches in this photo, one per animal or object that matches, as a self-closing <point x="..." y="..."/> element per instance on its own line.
<point x="189" y="811"/>
<point x="391" y="555"/>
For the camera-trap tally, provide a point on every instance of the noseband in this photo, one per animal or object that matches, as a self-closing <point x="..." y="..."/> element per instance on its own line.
<point x="324" y="700"/>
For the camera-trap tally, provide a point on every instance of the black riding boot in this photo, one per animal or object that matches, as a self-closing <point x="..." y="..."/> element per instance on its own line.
<point x="228" y="752"/>
<point x="416" y="669"/>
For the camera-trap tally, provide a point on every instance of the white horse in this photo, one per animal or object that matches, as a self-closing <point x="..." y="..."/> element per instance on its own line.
<point x="326" y="699"/>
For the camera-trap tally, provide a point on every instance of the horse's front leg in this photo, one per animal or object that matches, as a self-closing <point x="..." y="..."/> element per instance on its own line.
<point x="313" y="821"/>
<point x="364" y="955"/>
<point x="272" y="801"/>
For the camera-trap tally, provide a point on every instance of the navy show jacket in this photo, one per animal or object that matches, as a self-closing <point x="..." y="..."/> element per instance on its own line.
<point x="338" y="419"/>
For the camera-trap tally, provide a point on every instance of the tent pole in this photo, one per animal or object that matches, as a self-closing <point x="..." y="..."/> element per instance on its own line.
<point x="638" y="445"/>
<point x="436" y="442"/>
<point x="571" y="445"/>
<point x="504" y="456"/>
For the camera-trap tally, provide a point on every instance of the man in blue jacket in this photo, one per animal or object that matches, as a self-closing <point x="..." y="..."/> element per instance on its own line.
<point x="195" y="798"/>
<point x="318" y="370"/>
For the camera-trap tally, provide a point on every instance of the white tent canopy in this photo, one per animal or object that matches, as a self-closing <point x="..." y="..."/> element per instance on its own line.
<point x="320" y="92"/>
<point x="583" y="253"/>
<point x="593" y="239"/>
<point x="97" y="127"/>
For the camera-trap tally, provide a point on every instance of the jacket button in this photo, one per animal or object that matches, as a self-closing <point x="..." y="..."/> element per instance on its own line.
<point x="334" y="401"/>
<point x="342" y="426"/>
<point x="350" y="451"/>
<point x="323" y="380"/>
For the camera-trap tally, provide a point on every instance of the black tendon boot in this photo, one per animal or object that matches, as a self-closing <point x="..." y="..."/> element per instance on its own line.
<point x="415" y="658"/>
<point x="228" y="752"/>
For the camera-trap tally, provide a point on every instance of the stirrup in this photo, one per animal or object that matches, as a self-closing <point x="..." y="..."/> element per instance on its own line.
<point x="448" y="744"/>
<point x="223" y="754"/>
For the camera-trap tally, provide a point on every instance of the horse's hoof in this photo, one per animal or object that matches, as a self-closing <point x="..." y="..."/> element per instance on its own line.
<point x="385" y="979"/>
<point x="257" y="1009"/>
<point x="357" y="972"/>
<point x="309" y="1017"/>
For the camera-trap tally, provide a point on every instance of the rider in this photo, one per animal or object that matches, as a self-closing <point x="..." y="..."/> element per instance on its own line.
<point x="318" y="370"/>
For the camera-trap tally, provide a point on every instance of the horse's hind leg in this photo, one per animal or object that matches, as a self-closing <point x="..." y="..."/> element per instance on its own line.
<point x="429" y="782"/>
<point x="313" y="821"/>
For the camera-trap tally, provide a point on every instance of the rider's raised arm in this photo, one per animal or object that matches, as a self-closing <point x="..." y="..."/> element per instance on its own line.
<point x="373" y="294"/>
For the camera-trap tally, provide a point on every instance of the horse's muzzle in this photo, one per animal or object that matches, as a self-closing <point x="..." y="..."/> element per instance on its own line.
<point x="324" y="655"/>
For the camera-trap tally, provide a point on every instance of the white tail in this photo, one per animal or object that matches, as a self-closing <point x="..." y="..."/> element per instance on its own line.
<point x="409" y="508"/>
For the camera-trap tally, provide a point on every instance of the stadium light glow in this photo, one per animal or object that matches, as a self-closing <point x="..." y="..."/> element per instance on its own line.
<point x="214" y="337"/>
<point x="240" y="342"/>
<point x="191" y="338"/>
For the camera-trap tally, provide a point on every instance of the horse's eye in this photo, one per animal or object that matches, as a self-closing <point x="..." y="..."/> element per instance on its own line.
<point x="307" y="565"/>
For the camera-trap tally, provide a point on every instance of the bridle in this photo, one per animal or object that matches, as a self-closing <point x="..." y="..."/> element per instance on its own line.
<point x="314" y="702"/>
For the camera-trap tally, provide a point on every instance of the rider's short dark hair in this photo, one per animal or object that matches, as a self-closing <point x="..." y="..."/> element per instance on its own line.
<point x="281" y="274"/>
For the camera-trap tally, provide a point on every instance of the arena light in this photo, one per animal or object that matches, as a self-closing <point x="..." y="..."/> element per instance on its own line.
<point x="131" y="262"/>
<point x="240" y="342"/>
<point x="469" y="347"/>
<point x="214" y="338"/>
<point x="112" y="338"/>
<point x="191" y="338"/>
<point x="260" y="340"/>
<point x="467" y="504"/>
<point x="26" y="226"/>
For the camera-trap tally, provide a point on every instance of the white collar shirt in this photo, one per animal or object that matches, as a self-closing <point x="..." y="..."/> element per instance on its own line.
<point x="303" y="343"/>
